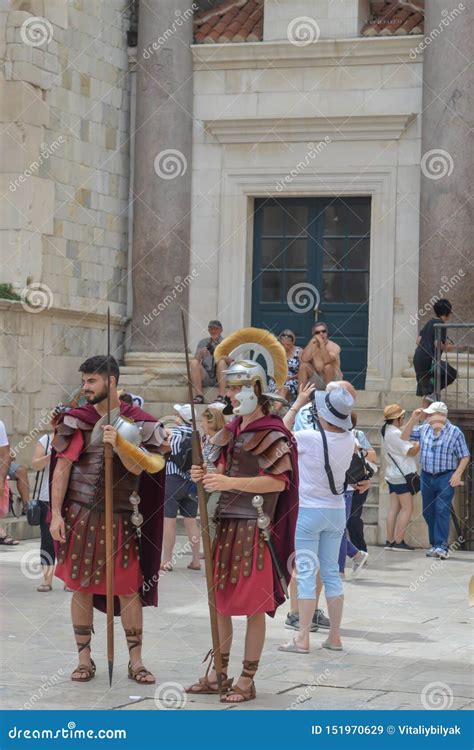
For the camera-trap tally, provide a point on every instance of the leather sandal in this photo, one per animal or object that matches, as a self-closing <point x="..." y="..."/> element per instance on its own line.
<point x="205" y="686"/>
<point x="137" y="674"/>
<point x="84" y="669"/>
<point x="249" y="694"/>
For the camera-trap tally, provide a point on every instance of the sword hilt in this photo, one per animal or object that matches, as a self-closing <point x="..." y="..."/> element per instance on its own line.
<point x="263" y="521"/>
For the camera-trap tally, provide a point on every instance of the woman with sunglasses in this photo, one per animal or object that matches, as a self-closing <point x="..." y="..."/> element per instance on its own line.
<point x="293" y="354"/>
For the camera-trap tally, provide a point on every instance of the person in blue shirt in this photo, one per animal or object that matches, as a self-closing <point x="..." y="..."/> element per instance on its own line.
<point x="444" y="455"/>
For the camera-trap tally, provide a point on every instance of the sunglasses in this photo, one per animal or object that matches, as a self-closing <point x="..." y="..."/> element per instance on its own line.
<point x="321" y="330"/>
<point x="286" y="336"/>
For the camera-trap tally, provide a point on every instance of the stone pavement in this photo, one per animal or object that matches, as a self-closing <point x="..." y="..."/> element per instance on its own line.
<point x="407" y="637"/>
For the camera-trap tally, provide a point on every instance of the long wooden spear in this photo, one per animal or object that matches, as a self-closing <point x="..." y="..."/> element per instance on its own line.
<point x="109" y="525"/>
<point x="206" y="538"/>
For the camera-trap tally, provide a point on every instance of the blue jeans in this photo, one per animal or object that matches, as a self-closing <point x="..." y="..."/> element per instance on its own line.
<point x="437" y="495"/>
<point x="317" y="541"/>
<point x="347" y="548"/>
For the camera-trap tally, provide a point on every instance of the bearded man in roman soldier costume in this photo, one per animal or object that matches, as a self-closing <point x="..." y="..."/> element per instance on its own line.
<point x="254" y="455"/>
<point x="78" y="510"/>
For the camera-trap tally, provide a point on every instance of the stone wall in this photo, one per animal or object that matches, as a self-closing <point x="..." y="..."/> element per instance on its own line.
<point x="64" y="112"/>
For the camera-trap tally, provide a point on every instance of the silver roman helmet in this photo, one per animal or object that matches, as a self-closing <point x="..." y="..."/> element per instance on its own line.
<point x="243" y="348"/>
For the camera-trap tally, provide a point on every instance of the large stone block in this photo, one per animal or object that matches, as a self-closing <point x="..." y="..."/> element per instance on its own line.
<point x="19" y="101"/>
<point x="56" y="11"/>
<point x="20" y="147"/>
<point x="25" y="71"/>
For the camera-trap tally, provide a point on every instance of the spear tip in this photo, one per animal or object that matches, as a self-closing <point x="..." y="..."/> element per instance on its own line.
<point x="111" y="670"/>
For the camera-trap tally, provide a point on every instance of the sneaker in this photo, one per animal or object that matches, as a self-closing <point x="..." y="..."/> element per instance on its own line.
<point x="292" y="622"/>
<point x="389" y="545"/>
<point x="357" y="565"/>
<point x="320" y="619"/>
<point x="403" y="545"/>
<point x="441" y="553"/>
<point x="431" y="552"/>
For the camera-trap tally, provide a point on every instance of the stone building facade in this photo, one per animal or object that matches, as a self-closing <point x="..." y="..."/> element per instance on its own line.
<point x="246" y="108"/>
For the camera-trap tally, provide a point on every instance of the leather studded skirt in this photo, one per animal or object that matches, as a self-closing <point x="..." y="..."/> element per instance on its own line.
<point x="81" y="558"/>
<point x="243" y="571"/>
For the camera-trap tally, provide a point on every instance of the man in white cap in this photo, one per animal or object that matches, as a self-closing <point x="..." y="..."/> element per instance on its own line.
<point x="180" y="491"/>
<point x="444" y="456"/>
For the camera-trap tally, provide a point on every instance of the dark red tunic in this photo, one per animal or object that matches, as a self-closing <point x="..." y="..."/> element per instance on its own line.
<point x="241" y="591"/>
<point x="137" y="576"/>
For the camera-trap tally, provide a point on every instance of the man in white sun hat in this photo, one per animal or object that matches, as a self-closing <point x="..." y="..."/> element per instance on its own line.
<point x="180" y="491"/>
<point x="444" y="456"/>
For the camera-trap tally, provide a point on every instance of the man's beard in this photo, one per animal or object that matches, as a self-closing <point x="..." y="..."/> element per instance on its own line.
<point x="97" y="399"/>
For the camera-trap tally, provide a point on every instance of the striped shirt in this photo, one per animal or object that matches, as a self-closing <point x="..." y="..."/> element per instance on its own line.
<point x="179" y="433"/>
<point x="440" y="451"/>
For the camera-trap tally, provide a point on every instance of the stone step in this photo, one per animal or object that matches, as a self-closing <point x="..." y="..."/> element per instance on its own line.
<point x="19" y="528"/>
<point x="370" y="513"/>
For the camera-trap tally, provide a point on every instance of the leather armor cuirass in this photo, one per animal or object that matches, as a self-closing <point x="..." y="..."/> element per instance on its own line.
<point x="86" y="482"/>
<point x="242" y="463"/>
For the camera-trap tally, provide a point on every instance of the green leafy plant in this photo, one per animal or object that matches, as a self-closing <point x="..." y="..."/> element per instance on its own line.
<point x="6" y="292"/>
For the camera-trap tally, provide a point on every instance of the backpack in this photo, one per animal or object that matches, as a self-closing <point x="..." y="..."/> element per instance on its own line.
<point x="184" y="458"/>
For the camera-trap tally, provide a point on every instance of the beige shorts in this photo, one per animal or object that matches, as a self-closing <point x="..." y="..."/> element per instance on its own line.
<point x="318" y="381"/>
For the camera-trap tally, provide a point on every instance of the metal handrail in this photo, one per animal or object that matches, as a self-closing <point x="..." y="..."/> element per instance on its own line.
<point x="439" y="370"/>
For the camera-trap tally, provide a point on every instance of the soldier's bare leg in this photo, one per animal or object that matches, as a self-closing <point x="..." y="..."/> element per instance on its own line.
<point x="131" y="613"/>
<point x="254" y="640"/>
<point x="82" y="619"/>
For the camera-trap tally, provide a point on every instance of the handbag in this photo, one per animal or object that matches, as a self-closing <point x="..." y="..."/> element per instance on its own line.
<point x="33" y="512"/>
<point x="33" y="509"/>
<point x="359" y="470"/>
<point x="413" y="479"/>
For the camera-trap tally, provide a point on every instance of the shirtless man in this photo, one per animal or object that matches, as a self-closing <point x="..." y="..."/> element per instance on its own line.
<point x="320" y="360"/>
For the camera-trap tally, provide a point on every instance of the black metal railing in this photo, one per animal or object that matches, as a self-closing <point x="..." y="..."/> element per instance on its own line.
<point x="460" y="393"/>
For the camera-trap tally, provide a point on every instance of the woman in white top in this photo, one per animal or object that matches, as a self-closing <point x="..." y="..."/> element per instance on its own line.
<point x="40" y="462"/>
<point x="322" y="514"/>
<point x="399" y="461"/>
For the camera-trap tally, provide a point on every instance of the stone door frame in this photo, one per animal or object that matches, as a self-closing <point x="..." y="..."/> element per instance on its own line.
<point x="240" y="187"/>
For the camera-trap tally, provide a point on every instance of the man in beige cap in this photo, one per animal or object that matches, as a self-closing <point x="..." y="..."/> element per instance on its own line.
<point x="444" y="456"/>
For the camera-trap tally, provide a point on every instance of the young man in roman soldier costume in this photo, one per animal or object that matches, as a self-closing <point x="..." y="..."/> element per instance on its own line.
<point x="254" y="455"/>
<point x="78" y="519"/>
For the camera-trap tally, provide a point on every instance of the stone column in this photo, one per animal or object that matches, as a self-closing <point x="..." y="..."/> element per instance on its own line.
<point x="162" y="182"/>
<point x="447" y="214"/>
